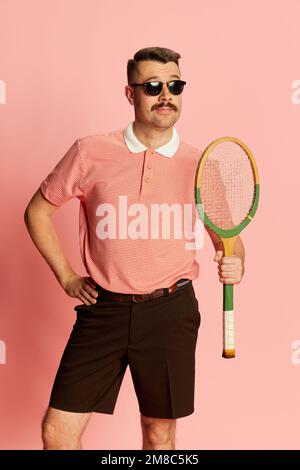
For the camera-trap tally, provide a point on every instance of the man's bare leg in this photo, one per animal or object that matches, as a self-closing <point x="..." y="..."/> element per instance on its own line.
<point x="158" y="433"/>
<point x="62" y="430"/>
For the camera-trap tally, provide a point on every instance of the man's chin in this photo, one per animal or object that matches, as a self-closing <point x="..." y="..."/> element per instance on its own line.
<point x="165" y="121"/>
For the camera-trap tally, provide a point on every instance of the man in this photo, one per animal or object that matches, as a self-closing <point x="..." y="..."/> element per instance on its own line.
<point x="138" y="303"/>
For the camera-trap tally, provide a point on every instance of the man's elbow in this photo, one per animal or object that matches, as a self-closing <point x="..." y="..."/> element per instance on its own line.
<point x="39" y="206"/>
<point x="29" y="214"/>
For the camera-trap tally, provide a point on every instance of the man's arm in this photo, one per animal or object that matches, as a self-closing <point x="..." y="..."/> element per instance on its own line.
<point x="231" y="268"/>
<point x="37" y="218"/>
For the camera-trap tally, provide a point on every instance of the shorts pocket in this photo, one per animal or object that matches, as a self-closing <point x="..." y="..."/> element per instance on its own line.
<point x="195" y="305"/>
<point x="82" y="308"/>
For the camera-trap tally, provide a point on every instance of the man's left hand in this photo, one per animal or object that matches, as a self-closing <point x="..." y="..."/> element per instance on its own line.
<point x="230" y="268"/>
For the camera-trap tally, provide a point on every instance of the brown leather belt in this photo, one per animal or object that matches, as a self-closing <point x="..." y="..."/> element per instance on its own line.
<point x="109" y="295"/>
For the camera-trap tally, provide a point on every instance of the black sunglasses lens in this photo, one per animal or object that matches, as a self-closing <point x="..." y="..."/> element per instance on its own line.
<point x="176" y="87"/>
<point x="153" y="88"/>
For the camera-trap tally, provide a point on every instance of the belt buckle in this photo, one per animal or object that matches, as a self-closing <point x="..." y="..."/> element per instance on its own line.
<point x="134" y="298"/>
<point x="142" y="300"/>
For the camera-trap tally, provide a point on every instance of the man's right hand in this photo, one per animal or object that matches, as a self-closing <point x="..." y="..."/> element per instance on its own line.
<point x="82" y="288"/>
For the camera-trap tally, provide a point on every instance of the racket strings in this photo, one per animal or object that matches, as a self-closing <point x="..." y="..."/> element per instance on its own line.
<point x="227" y="185"/>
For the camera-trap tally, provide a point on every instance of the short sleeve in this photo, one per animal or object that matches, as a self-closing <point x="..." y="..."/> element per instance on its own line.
<point x="64" y="181"/>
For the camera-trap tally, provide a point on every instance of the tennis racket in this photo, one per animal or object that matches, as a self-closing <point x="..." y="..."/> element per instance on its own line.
<point x="227" y="194"/>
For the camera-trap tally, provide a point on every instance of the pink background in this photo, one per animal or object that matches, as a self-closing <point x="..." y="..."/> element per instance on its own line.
<point x="64" y="66"/>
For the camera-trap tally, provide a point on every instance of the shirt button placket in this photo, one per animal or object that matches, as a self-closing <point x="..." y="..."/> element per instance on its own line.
<point x="147" y="174"/>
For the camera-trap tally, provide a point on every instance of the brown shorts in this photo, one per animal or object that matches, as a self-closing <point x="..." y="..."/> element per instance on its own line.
<point x="156" y="338"/>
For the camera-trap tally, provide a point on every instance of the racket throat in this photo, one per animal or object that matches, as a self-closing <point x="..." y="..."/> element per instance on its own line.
<point x="228" y="245"/>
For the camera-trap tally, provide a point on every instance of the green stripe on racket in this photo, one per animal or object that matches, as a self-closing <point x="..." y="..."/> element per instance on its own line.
<point x="227" y="194"/>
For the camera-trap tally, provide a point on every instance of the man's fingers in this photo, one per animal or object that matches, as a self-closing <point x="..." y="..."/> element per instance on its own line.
<point x="229" y="275"/>
<point x="218" y="255"/>
<point x="230" y="259"/>
<point x="83" y="299"/>
<point x="88" y="298"/>
<point x="230" y="280"/>
<point x="90" y="281"/>
<point x="90" y="289"/>
<point x="231" y="272"/>
<point x="89" y="293"/>
<point x="227" y="267"/>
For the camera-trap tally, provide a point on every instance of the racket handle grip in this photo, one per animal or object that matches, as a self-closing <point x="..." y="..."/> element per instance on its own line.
<point x="228" y="322"/>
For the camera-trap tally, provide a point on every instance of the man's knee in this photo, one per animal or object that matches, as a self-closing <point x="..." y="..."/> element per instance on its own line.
<point x="50" y="434"/>
<point x="55" y="437"/>
<point x="60" y="430"/>
<point x="158" y="431"/>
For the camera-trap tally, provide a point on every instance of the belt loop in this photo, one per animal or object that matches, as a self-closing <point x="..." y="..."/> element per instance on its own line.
<point x="166" y="290"/>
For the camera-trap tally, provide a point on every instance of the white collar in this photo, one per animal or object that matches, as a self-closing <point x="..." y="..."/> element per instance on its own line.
<point x="135" y="146"/>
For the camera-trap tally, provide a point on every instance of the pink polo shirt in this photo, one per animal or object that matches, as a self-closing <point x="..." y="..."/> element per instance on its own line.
<point x="118" y="182"/>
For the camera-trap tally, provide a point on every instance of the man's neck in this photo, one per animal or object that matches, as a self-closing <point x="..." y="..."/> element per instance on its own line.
<point x="152" y="137"/>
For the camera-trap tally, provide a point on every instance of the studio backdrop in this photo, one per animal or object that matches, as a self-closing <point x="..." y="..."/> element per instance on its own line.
<point x="62" y="77"/>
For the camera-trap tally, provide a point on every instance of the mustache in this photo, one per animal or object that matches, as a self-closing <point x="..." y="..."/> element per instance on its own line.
<point x="167" y="105"/>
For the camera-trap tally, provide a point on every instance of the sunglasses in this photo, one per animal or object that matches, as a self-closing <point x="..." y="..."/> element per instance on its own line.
<point x="154" y="88"/>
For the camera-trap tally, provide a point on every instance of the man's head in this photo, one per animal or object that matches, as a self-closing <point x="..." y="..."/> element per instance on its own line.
<point x="154" y="64"/>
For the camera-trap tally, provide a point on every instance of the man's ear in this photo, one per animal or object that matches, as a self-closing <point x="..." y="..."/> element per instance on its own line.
<point x="129" y="94"/>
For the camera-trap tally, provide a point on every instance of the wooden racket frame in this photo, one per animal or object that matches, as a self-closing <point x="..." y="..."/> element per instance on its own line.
<point x="227" y="237"/>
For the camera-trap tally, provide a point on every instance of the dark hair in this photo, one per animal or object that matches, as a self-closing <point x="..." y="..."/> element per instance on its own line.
<point x="160" y="54"/>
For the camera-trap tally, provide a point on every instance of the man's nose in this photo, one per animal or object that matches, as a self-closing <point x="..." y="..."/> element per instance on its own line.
<point x="165" y="91"/>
